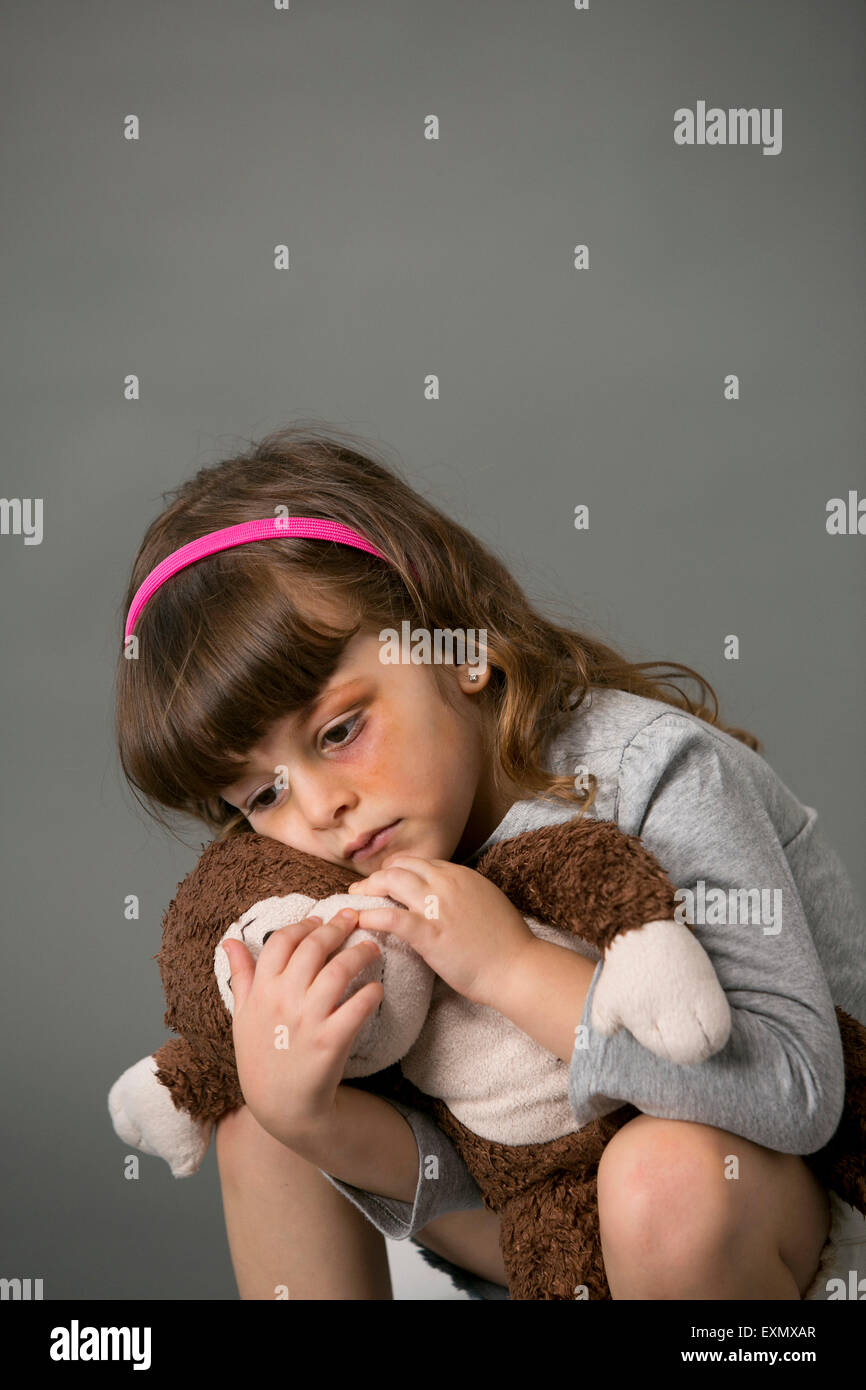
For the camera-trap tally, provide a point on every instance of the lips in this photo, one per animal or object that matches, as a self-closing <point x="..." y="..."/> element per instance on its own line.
<point x="373" y="843"/>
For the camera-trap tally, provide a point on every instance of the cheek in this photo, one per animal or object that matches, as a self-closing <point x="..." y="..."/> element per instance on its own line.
<point x="399" y="755"/>
<point x="374" y="754"/>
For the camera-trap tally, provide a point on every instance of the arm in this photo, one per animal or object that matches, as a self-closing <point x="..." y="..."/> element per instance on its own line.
<point x="368" y="1144"/>
<point x="710" y="809"/>
<point x="613" y="897"/>
<point x="546" y="996"/>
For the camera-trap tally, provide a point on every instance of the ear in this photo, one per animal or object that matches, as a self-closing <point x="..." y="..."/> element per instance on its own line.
<point x="473" y="677"/>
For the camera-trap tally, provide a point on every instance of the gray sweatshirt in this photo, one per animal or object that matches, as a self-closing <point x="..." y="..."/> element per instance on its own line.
<point x="719" y="820"/>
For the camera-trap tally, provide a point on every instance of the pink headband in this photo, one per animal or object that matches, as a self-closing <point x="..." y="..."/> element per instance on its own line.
<point x="269" y="528"/>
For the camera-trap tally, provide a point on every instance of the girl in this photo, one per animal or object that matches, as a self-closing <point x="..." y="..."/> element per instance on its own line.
<point x="253" y="695"/>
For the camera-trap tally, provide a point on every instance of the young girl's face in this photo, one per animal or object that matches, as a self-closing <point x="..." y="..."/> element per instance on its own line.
<point x="382" y="748"/>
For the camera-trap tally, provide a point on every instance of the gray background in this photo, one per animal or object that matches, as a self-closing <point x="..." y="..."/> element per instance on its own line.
<point x="407" y="257"/>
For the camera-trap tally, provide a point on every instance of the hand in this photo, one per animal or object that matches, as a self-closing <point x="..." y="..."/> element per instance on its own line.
<point x="291" y="1041"/>
<point x="461" y="923"/>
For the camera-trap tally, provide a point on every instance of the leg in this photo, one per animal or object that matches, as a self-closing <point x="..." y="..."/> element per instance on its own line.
<point x="469" y="1239"/>
<point x="287" y="1225"/>
<point x="674" y="1226"/>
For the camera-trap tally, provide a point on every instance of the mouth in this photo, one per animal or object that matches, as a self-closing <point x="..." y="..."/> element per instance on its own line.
<point x="372" y="843"/>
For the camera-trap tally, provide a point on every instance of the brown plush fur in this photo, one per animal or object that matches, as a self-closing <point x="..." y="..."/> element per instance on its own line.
<point x="584" y="876"/>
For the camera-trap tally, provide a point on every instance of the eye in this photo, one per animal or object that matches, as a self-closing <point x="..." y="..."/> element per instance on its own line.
<point x="353" y="723"/>
<point x="258" y="805"/>
<point x="350" y="723"/>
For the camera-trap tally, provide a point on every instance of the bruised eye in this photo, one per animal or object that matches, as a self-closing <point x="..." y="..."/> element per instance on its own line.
<point x="335" y="737"/>
<point x="338" y="729"/>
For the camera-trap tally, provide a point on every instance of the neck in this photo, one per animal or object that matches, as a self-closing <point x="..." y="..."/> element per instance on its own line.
<point x="488" y="810"/>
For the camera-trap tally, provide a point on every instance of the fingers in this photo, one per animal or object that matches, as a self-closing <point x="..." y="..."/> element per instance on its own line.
<point x="280" y="945"/>
<point x="393" y="919"/>
<point x="242" y="969"/>
<point x="311" y="954"/>
<point x="394" y="882"/>
<point x="414" y="862"/>
<point x="338" y="1032"/>
<point x="344" y="1024"/>
<point x="316" y="971"/>
<point x="331" y="983"/>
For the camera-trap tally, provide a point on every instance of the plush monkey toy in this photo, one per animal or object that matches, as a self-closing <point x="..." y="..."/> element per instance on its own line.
<point x="499" y="1096"/>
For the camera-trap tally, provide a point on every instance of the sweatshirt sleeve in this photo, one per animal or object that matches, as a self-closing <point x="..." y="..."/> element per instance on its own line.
<point x="716" y="816"/>
<point x="443" y="1185"/>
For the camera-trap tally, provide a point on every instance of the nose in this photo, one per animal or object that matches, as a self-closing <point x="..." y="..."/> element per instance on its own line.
<point x="323" y="801"/>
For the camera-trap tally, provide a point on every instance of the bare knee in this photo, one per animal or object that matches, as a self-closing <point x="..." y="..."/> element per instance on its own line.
<point x="686" y="1210"/>
<point x="665" y="1190"/>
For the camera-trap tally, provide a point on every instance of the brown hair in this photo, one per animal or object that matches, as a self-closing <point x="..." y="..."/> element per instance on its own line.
<point x="227" y="647"/>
